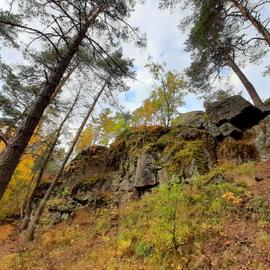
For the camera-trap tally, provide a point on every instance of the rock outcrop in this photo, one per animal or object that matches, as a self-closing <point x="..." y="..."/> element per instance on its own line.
<point x="143" y="158"/>
<point x="140" y="160"/>
<point x="253" y="145"/>
<point x="146" y="172"/>
<point x="232" y="116"/>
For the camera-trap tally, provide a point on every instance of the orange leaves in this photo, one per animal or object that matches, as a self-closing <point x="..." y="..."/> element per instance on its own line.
<point x="230" y="196"/>
<point x="2" y="146"/>
<point x="145" y="113"/>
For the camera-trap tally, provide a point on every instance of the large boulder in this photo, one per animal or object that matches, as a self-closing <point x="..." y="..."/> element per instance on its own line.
<point x="260" y="135"/>
<point x="146" y="172"/>
<point x="253" y="145"/>
<point x="235" y="110"/>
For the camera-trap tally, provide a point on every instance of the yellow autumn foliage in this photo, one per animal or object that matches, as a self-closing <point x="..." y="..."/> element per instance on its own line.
<point x="86" y="139"/>
<point x="15" y="193"/>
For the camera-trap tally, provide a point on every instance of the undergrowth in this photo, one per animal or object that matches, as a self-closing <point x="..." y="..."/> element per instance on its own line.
<point x="167" y="228"/>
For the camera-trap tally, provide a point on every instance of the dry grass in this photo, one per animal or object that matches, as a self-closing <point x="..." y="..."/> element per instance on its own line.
<point x="199" y="226"/>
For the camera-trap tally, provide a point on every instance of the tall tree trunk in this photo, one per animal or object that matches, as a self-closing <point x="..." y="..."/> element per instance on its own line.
<point x="64" y="80"/>
<point x="32" y="226"/>
<point x="14" y="150"/>
<point x="255" y="22"/>
<point x="29" y="198"/>
<point x="247" y="84"/>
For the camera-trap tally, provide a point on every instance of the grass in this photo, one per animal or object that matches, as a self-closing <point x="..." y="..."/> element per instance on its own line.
<point x="166" y="229"/>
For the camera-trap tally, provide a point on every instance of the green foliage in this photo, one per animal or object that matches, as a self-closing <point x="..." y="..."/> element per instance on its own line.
<point x="218" y="40"/>
<point x="173" y="221"/>
<point x="8" y="32"/>
<point x="15" y="95"/>
<point x="259" y="206"/>
<point x="105" y="128"/>
<point x="142" y="249"/>
<point x="164" y="100"/>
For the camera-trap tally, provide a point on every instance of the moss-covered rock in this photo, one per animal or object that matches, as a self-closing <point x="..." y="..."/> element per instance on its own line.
<point x="196" y="119"/>
<point x="176" y="152"/>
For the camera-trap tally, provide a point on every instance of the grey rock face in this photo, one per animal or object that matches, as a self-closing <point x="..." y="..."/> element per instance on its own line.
<point x="228" y="129"/>
<point x="163" y="177"/>
<point x="236" y="110"/>
<point x="260" y="135"/>
<point x="146" y="171"/>
<point x="213" y="130"/>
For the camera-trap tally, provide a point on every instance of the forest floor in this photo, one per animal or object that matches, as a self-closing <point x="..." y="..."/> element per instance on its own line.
<point x="234" y="239"/>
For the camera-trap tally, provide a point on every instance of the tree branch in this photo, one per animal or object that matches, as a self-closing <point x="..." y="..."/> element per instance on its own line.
<point x="32" y="30"/>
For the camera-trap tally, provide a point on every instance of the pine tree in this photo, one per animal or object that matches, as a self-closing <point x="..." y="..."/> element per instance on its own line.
<point x="218" y="39"/>
<point x="72" y="25"/>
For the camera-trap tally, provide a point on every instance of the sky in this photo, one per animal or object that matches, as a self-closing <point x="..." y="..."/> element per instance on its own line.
<point x="165" y="44"/>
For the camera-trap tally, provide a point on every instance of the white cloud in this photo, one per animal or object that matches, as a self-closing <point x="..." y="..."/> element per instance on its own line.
<point x="166" y="44"/>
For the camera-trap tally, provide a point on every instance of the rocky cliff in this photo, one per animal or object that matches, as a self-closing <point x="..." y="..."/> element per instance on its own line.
<point x="204" y="199"/>
<point x="142" y="158"/>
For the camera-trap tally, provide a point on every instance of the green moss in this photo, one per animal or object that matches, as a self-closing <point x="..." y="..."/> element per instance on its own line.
<point x="129" y="146"/>
<point x="241" y="174"/>
<point x="180" y="154"/>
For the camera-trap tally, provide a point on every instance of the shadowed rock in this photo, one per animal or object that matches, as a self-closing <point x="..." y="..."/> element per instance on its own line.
<point x="235" y="110"/>
<point x="146" y="171"/>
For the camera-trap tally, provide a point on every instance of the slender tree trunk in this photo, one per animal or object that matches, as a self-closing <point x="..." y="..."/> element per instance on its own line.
<point x="14" y="150"/>
<point x="30" y="187"/>
<point x="64" y="80"/>
<point x="30" y="196"/>
<point x="247" y="84"/>
<point x="32" y="225"/>
<point x="255" y="22"/>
